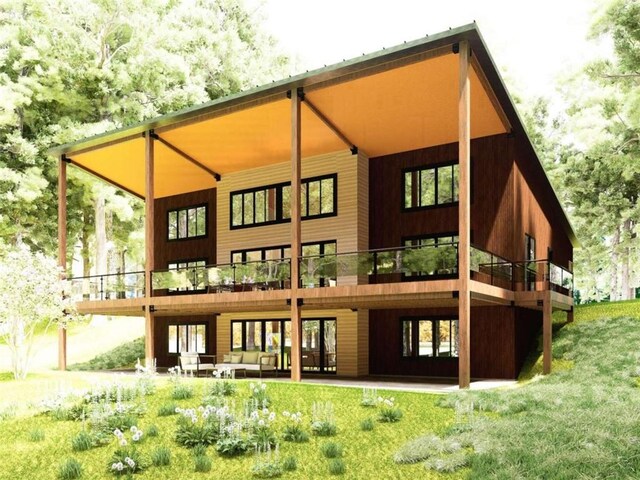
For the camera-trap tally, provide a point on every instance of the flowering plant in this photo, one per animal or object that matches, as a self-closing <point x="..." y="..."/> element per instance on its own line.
<point x="387" y="411"/>
<point x="293" y="431"/>
<point x="323" y="421"/>
<point x="258" y="393"/>
<point x="127" y="460"/>
<point x="369" y="397"/>
<point x="202" y="426"/>
<point x="259" y="424"/>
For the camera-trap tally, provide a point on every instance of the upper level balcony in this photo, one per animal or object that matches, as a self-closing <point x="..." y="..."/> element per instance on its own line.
<point x="381" y="278"/>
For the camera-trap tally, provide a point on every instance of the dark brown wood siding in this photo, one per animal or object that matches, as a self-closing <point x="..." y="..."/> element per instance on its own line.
<point x="165" y="359"/>
<point x="501" y="337"/>
<point x="504" y="205"/>
<point x="188" y="249"/>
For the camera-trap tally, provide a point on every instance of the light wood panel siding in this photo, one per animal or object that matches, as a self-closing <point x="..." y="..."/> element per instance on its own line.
<point x="343" y="228"/>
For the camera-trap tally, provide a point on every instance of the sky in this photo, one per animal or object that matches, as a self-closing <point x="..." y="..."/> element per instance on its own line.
<point x="533" y="43"/>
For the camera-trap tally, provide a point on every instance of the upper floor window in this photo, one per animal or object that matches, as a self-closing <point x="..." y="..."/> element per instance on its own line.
<point x="272" y="203"/>
<point x="190" y="222"/>
<point x="430" y="186"/>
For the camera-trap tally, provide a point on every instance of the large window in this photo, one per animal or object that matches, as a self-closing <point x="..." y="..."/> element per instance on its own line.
<point x="430" y="186"/>
<point x="272" y="204"/>
<point x="188" y="222"/>
<point x="192" y="274"/>
<point x="188" y="338"/>
<point x="429" y="337"/>
<point x="439" y="257"/>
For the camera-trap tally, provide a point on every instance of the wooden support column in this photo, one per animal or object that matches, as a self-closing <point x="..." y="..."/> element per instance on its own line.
<point x="546" y="332"/>
<point x="464" y="219"/>
<point x="62" y="251"/>
<point x="570" y="315"/>
<point x="149" y="316"/>
<point x="296" y="237"/>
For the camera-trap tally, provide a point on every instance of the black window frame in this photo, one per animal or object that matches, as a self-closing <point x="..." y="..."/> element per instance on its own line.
<point x="415" y="335"/>
<point x="280" y="214"/>
<point x="177" y="212"/>
<point x="435" y="167"/>
<point x="190" y="324"/>
<point x="186" y="291"/>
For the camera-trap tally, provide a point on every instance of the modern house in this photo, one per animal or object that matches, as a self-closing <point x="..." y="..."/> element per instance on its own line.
<point x="387" y="215"/>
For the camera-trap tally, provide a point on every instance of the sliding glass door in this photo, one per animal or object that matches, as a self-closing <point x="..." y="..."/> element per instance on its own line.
<point x="319" y="341"/>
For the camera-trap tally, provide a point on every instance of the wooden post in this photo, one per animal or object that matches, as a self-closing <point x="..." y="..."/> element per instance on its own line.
<point x="546" y="332"/>
<point x="149" y="316"/>
<point x="464" y="219"/>
<point x="62" y="251"/>
<point x="570" y="315"/>
<point x="296" y="234"/>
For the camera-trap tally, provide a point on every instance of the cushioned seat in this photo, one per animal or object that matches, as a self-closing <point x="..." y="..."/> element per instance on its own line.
<point x="250" y="361"/>
<point x="190" y="362"/>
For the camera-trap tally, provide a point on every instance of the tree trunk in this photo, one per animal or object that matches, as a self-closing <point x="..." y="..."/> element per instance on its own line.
<point x="615" y="242"/>
<point x="101" y="235"/>
<point x="625" y="282"/>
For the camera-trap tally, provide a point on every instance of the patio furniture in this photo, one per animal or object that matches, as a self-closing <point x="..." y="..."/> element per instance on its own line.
<point x="250" y="361"/>
<point x="191" y="362"/>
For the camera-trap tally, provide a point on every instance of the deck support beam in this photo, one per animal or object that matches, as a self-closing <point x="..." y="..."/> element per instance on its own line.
<point x="296" y="234"/>
<point x="464" y="219"/>
<point x="546" y="332"/>
<point x="149" y="196"/>
<point x="62" y="251"/>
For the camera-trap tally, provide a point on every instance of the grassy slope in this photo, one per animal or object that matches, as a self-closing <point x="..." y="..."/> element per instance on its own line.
<point x="582" y="421"/>
<point x="367" y="454"/>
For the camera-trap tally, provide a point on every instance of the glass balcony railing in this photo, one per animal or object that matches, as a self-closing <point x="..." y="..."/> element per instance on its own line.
<point x="389" y="265"/>
<point x="232" y="277"/>
<point x="111" y="286"/>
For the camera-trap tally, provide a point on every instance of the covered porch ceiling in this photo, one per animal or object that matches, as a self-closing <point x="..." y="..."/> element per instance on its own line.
<point x="404" y="103"/>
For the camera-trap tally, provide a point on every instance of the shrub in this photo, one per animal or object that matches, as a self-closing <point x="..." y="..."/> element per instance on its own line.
<point x="167" y="409"/>
<point x="202" y="464"/>
<point x="369" y="397"/>
<point x="323" y="421"/>
<point x="290" y="464"/>
<point x="127" y="461"/>
<point x="199" y="450"/>
<point x="161" y="457"/>
<point x="293" y="431"/>
<point x="337" y="466"/>
<point x="107" y="418"/>
<point x="267" y="464"/>
<point x="388" y="412"/>
<point x="425" y="447"/>
<point x="36" y="435"/>
<point x="447" y="463"/>
<point x="201" y="426"/>
<point x="152" y="431"/>
<point x="231" y="445"/>
<point x="222" y="388"/>
<point x="331" y="450"/>
<point x="70" y="470"/>
<point x="87" y="440"/>
<point x="124" y="355"/>
<point x="182" y="392"/>
<point x="367" y="425"/>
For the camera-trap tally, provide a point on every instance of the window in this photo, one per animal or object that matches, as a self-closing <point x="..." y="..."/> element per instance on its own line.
<point x="192" y="275"/>
<point x="439" y="257"/>
<point x="429" y="337"/>
<point x="188" y="338"/>
<point x="188" y="222"/>
<point x="272" y="203"/>
<point x="530" y="264"/>
<point x="430" y="187"/>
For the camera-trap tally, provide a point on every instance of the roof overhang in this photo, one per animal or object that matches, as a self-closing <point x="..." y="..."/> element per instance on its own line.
<point x="398" y="99"/>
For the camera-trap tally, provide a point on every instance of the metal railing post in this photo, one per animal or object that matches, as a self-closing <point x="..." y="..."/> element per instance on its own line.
<point x="375" y="267"/>
<point x="101" y="287"/>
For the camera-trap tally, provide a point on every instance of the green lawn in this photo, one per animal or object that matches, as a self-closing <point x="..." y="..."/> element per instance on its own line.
<point x="367" y="454"/>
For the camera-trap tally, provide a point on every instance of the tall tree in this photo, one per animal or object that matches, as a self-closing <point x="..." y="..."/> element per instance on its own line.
<point x="71" y="69"/>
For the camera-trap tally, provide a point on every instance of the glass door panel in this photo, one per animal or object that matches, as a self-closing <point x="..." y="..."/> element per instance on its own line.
<point x="330" y="346"/>
<point x="311" y="345"/>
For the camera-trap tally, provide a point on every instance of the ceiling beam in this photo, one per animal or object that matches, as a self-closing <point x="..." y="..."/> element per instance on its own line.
<point x="328" y="123"/>
<point x="186" y="156"/>
<point x="102" y="177"/>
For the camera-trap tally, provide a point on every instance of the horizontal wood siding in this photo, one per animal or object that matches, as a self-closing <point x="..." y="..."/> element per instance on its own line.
<point x="165" y="359"/>
<point x="498" y="343"/>
<point x="343" y="228"/>
<point x="187" y="249"/>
